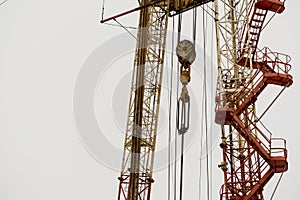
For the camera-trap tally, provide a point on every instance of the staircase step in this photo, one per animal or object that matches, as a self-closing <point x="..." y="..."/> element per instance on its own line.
<point x="257" y="20"/>
<point x="255" y="26"/>
<point x="249" y="137"/>
<point x="252" y="97"/>
<point x="269" y="78"/>
<point x="253" y="33"/>
<point x="260" y="14"/>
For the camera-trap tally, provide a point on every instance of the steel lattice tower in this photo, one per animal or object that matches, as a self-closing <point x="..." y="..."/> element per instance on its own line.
<point x="140" y="139"/>
<point x="250" y="157"/>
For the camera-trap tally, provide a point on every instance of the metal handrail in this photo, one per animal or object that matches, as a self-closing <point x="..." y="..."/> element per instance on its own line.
<point x="277" y="150"/>
<point x="264" y="140"/>
<point x="279" y="61"/>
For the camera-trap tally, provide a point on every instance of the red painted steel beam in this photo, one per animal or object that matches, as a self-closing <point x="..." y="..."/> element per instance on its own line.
<point x="130" y="11"/>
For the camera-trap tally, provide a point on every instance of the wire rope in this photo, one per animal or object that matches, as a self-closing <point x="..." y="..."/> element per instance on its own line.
<point x="205" y="106"/>
<point x="211" y="104"/>
<point x="103" y="6"/>
<point x="3" y="2"/>
<point x="182" y="136"/>
<point x="170" y="114"/>
<point x="194" y="25"/>
<point x="267" y="23"/>
<point x="177" y="95"/>
<point x="200" y="153"/>
<point x="277" y="184"/>
<point x="117" y="25"/>
<point x="125" y="29"/>
<point x="271" y="104"/>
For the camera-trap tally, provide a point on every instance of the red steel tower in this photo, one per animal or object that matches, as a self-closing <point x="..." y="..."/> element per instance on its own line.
<point x="251" y="155"/>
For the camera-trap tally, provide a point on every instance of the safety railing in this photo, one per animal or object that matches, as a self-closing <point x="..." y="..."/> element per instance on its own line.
<point x="278" y="147"/>
<point x="247" y="89"/>
<point x="251" y="127"/>
<point x="231" y="97"/>
<point x="279" y="63"/>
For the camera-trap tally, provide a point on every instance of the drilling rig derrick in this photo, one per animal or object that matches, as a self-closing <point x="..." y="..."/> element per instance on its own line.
<point x="250" y="156"/>
<point x="140" y="138"/>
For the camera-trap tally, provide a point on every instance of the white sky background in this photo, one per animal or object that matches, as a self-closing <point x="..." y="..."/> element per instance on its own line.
<point x="43" y="45"/>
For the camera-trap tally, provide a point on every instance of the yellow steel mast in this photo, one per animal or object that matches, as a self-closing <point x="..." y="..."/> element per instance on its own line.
<point x="140" y="138"/>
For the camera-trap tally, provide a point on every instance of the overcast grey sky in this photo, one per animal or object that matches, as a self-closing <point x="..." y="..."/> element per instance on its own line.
<point x="43" y="46"/>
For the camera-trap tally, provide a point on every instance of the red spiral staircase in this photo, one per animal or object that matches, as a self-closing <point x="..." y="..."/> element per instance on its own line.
<point x="261" y="159"/>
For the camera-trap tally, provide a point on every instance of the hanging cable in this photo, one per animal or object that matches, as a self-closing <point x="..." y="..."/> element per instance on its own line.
<point x="200" y="153"/>
<point x="211" y="9"/>
<point x="181" y="157"/>
<point x="205" y="107"/>
<point x="3" y="2"/>
<point x="277" y="184"/>
<point x="117" y="25"/>
<point x="179" y="27"/>
<point x="177" y="94"/>
<point x="103" y="5"/>
<point x="266" y="110"/>
<point x="125" y="29"/>
<point x="194" y="25"/>
<point x="170" y="114"/>
<point x="201" y="143"/>
<point x="212" y="102"/>
<point x="270" y="19"/>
